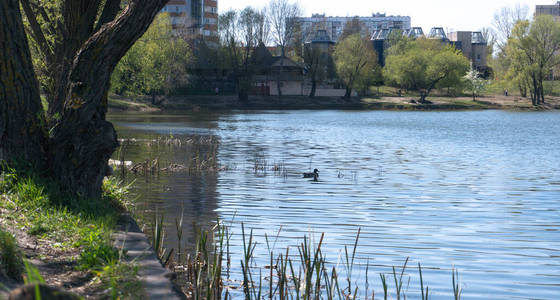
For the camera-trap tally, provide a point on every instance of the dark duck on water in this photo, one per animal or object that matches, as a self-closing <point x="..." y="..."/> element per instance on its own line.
<point x="314" y="175"/>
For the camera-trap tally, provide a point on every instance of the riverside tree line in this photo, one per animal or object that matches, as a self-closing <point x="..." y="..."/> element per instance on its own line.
<point x="521" y="52"/>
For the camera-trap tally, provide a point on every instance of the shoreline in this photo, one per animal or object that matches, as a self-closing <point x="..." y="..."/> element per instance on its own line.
<point x="86" y="247"/>
<point x="216" y="103"/>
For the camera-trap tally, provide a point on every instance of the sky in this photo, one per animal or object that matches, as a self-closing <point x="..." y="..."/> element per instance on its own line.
<point x="467" y="15"/>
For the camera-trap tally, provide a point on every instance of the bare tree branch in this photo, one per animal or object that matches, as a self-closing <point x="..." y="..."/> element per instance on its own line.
<point x="282" y="17"/>
<point x="505" y="20"/>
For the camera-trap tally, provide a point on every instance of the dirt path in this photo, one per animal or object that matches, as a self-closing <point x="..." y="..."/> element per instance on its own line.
<point x="55" y="264"/>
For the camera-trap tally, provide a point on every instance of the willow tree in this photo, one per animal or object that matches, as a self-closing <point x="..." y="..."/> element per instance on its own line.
<point x="156" y="64"/>
<point x="422" y="64"/>
<point x="21" y="132"/>
<point x="533" y="49"/>
<point x="89" y="38"/>
<point x="355" y="60"/>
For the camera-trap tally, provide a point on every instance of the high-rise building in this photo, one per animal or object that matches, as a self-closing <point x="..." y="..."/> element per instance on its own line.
<point x="334" y="26"/>
<point x="553" y="10"/>
<point x="194" y="17"/>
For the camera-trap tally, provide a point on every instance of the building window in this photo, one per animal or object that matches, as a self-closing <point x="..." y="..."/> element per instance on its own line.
<point x="211" y="21"/>
<point x="210" y="9"/>
<point x="478" y="57"/>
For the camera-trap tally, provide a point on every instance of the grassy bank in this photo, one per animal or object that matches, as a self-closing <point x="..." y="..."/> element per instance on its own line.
<point x="387" y="99"/>
<point x="68" y="239"/>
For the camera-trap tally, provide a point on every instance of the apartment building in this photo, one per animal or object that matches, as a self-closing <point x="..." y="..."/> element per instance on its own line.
<point x="334" y="26"/>
<point x="198" y="18"/>
<point x="553" y="10"/>
<point x="474" y="47"/>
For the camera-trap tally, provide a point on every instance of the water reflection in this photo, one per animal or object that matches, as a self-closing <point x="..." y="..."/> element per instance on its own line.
<point x="474" y="190"/>
<point x="189" y="193"/>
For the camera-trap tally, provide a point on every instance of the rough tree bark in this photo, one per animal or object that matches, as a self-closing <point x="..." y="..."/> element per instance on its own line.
<point x="81" y="140"/>
<point x="22" y="135"/>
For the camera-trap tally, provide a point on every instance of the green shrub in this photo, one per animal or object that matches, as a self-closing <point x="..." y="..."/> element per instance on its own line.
<point x="122" y="280"/>
<point x="116" y="192"/>
<point x="7" y="177"/>
<point x="97" y="251"/>
<point x="11" y="263"/>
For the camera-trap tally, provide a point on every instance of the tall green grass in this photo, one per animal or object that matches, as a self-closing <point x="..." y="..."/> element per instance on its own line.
<point x="41" y="208"/>
<point x="302" y="272"/>
<point x="11" y="260"/>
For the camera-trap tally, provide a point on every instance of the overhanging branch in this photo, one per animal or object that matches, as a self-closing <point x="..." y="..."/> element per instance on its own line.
<point x="110" y="11"/>
<point x="38" y="34"/>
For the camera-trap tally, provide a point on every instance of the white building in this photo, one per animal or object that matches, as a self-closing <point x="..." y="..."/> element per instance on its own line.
<point x="335" y="25"/>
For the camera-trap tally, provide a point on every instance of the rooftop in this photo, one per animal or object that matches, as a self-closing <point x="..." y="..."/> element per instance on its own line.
<point x="373" y="15"/>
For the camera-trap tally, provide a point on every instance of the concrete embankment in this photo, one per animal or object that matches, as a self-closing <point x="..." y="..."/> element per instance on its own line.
<point x="156" y="278"/>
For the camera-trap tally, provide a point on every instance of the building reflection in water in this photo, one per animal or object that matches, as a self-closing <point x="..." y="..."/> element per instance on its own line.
<point x="189" y="190"/>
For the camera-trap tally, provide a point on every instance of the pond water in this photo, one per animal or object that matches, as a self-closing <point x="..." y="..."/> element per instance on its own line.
<point x="475" y="191"/>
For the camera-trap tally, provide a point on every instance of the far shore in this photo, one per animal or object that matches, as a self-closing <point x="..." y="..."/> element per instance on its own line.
<point x="405" y="103"/>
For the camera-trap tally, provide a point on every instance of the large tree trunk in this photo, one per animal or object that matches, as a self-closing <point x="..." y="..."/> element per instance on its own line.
<point x="22" y="132"/>
<point x="348" y="93"/>
<point x="279" y="76"/>
<point x="532" y="94"/>
<point x="522" y="90"/>
<point x="541" y="88"/>
<point x="423" y="97"/>
<point x="83" y="141"/>
<point x="313" y="88"/>
<point x="536" y="93"/>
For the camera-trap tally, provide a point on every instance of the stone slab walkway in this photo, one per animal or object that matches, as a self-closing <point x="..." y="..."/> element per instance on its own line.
<point x="156" y="278"/>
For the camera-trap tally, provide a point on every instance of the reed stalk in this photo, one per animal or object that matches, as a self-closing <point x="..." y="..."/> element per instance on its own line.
<point x="305" y="276"/>
<point x="457" y="290"/>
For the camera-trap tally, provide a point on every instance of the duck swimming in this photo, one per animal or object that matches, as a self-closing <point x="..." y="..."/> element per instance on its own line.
<point x="314" y="175"/>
